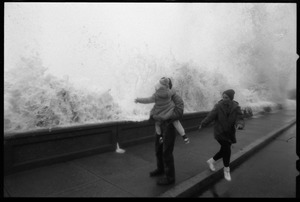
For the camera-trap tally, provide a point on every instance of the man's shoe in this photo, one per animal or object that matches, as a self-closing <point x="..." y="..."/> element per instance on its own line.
<point x="166" y="181"/>
<point x="156" y="173"/>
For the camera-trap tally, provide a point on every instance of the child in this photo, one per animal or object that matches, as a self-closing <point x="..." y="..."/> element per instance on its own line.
<point x="163" y="107"/>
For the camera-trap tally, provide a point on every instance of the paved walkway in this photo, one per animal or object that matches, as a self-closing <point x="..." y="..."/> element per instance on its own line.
<point x="127" y="175"/>
<point x="271" y="172"/>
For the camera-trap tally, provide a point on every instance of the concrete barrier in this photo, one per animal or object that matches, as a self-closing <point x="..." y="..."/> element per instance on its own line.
<point x="43" y="147"/>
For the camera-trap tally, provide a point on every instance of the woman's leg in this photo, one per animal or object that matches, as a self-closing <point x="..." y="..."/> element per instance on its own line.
<point x="219" y="154"/>
<point x="224" y="152"/>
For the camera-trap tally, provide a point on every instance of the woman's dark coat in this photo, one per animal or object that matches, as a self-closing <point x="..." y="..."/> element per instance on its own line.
<point x="226" y="114"/>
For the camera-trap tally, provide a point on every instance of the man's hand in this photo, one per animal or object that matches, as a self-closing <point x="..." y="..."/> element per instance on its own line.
<point x="136" y="100"/>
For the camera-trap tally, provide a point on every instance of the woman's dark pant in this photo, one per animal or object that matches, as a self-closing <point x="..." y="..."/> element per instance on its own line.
<point x="164" y="151"/>
<point x="225" y="152"/>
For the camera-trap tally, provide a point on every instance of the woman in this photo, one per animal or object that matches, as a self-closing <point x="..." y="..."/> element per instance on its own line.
<point x="228" y="117"/>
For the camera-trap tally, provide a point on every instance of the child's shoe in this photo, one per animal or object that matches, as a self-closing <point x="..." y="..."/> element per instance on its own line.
<point x="161" y="140"/>
<point x="186" y="139"/>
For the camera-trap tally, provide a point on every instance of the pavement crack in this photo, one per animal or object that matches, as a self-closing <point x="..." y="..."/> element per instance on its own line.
<point x="102" y="178"/>
<point x="290" y="139"/>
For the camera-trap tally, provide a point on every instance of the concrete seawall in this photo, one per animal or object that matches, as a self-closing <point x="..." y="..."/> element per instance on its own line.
<point x="43" y="147"/>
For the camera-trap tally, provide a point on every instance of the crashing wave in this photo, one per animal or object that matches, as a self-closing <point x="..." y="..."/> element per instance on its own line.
<point x="34" y="100"/>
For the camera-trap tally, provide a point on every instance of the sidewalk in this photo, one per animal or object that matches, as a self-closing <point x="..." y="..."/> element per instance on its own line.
<point x="127" y="175"/>
<point x="269" y="173"/>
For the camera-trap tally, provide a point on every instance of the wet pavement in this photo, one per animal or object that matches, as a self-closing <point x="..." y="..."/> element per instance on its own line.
<point x="113" y="174"/>
<point x="271" y="172"/>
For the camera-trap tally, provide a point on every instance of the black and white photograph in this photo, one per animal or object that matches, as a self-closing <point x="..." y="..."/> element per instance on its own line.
<point x="150" y="100"/>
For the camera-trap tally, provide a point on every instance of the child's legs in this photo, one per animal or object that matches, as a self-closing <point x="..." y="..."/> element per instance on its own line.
<point x="157" y="128"/>
<point x="179" y="127"/>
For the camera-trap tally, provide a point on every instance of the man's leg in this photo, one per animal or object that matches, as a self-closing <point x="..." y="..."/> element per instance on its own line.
<point x="169" y="136"/>
<point x="159" y="158"/>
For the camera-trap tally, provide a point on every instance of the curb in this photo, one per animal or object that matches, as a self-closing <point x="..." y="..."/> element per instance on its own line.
<point x="201" y="181"/>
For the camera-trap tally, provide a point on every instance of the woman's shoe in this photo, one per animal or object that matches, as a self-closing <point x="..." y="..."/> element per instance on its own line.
<point x="210" y="163"/>
<point x="227" y="174"/>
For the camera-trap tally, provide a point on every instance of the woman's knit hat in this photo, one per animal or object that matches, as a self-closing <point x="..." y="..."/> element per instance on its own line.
<point x="229" y="93"/>
<point x="164" y="81"/>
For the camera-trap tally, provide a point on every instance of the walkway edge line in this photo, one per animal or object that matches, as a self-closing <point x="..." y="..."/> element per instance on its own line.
<point x="199" y="183"/>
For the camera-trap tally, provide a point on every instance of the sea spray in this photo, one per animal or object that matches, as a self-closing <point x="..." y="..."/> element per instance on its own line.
<point x="35" y="100"/>
<point x="110" y="59"/>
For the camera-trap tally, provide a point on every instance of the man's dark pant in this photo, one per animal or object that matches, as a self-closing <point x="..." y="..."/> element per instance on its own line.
<point x="164" y="151"/>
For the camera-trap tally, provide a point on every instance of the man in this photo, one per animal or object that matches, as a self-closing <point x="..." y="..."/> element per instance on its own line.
<point x="164" y="149"/>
